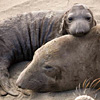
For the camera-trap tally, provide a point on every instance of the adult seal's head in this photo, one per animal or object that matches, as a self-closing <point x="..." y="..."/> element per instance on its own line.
<point x="79" y="20"/>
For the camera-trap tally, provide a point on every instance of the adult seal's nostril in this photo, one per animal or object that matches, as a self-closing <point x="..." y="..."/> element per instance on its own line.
<point x="19" y="86"/>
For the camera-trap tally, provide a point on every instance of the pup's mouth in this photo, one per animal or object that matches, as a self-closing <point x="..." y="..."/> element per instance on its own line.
<point x="80" y="34"/>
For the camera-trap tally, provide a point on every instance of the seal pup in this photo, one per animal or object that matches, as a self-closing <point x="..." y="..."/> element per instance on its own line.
<point x="20" y="36"/>
<point x="63" y="63"/>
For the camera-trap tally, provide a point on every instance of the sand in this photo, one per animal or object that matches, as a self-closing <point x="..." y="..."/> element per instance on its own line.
<point x="10" y="8"/>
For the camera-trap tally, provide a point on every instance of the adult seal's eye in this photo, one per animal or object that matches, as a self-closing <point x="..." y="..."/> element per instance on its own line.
<point x="48" y="67"/>
<point x="70" y="19"/>
<point x="88" y="18"/>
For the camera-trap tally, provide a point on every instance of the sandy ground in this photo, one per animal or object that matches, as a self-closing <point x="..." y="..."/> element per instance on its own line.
<point x="10" y="8"/>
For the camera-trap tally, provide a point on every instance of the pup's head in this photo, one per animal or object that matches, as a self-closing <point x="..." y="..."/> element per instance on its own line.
<point x="79" y="20"/>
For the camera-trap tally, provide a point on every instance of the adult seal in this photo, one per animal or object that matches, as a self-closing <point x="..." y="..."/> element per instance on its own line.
<point x="63" y="63"/>
<point x="20" y="36"/>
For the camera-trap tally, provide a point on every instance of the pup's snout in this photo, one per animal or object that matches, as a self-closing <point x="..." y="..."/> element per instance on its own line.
<point x="79" y="28"/>
<point x="80" y="32"/>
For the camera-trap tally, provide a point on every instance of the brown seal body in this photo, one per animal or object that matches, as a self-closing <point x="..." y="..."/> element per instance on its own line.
<point x="20" y="36"/>
<point x="63" y="63"/>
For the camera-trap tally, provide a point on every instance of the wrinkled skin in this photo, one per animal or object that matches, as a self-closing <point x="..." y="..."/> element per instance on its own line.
<point x="63" y="63"/>
<point x="21" y="35"/>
